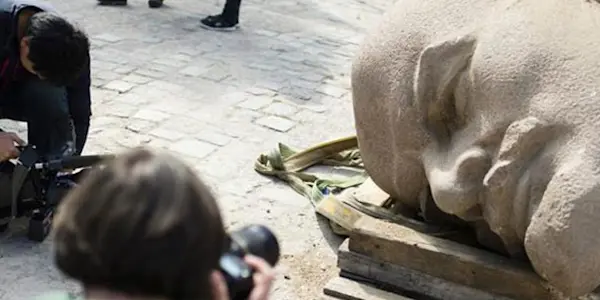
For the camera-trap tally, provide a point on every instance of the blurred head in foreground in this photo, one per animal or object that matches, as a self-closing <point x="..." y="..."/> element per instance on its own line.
<point x="144" y="225"/>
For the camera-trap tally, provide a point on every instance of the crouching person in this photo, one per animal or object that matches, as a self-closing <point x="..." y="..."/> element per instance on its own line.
<point x="145" y="227"/>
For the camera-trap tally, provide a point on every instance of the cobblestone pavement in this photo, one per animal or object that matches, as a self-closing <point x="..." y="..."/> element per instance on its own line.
<point x="218" y="100"/>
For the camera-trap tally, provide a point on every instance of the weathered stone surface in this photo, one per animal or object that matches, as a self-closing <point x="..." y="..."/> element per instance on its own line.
<point x="508" y="138"/>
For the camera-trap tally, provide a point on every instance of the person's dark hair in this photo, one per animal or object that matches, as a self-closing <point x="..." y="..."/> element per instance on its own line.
<point x="144" y="225"/>
<point x="58" y="50"/>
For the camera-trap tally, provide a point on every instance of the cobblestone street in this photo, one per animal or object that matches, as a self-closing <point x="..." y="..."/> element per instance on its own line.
<point x="218" y="100"/>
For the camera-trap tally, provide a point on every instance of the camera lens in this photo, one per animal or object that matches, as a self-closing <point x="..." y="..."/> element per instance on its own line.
<point x="259" y="241"/>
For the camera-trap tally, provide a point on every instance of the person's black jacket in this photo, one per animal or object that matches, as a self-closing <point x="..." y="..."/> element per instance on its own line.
<point x="78" y="93"/>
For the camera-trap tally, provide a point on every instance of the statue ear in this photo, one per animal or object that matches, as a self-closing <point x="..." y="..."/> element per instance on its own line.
<point x="438" y="71"/>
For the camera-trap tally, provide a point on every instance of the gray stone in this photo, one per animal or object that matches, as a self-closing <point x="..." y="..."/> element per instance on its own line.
<point x="258" y="91"/>
<point x="150" y="73"/>
<point x="102" y="65"/>
<point x="281" y="109"/>
<point x="136" y="79"/>
<point x="151" y="115"/>
<point x="213" y="137"/>
<point x="119" y="86"/>
<point x="276" y="123"/>
<point x="169" y="62"/>
<point x="124" y="69"/>
<point x="193" y="148"/>
<point x="107" y="37"/>
<point x="255" y="103"/>
<point x="106" y="75"/>
<point x="193" y="71"/>
<point x="216" y="74"/>
<point x="167" y="134"/>
<point x="165" y="86"/>
<point x="139" y="125"/>
<point x="332" y="91"/>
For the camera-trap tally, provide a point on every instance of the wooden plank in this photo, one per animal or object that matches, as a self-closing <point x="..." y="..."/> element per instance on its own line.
<point x="454" y="262"/>
<point x="347" y="289"/>
<point x="414" y="284"/>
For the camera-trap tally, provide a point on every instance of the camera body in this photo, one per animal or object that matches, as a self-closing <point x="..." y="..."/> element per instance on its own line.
<point x="32" y="187"/>
<point x="257" y="240"/>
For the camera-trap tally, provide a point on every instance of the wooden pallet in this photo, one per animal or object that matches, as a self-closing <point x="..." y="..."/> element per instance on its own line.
<point x="380" y="255"/>
<point x="419" y="266"/>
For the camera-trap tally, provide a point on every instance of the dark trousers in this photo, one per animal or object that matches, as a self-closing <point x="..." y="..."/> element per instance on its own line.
<point x="45" y="109"/>
<point x="231" y="11"/>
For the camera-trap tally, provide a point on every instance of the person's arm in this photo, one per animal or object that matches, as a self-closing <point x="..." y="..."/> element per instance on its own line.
<point x="80" y="107"/>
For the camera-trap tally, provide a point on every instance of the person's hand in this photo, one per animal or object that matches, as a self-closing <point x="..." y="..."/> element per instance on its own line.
<point x="264" y="275"/>
<point x="263" y="279"/>
<point x="8" y="145"/>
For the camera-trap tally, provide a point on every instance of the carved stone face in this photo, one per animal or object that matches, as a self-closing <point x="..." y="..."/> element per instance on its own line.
<point x="498" y="116"/>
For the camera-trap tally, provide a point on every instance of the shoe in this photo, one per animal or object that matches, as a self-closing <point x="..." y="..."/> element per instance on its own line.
<point x="155" y="3"/>
<point x="218" y="23"/>
<point x="112" y="2"/>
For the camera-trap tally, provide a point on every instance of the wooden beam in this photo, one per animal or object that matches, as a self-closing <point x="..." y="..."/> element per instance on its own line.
<point x="412" y="283"/>
<point x="346" y="289"/>
<point x="454" y="262"/>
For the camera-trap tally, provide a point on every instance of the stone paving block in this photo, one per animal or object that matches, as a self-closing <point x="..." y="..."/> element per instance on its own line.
<point x="140" y="125"/>
<point x="332" y="91"/>
<point x="255" y="103"/>
<point x="281" y="109"/>
<point x="151" y="115"/>
<point x="107" y="37"/>
<point x="165" y="86"/>
<point x="313" y="77"/>
<point x="315" y="107"/>
<point x="137" y="79"/>
<point x="216" y="74"/>
<point x="213" y="137"/>
<point x="263" y="66"/>
<point x="97" y="64"/>
<point x="193" y="71"/>
<point x="193" y="148"/>
<point x="258" y="91"/>
<point x="169" y="62"/>
<point x="276" y="123"/>
<point x="266" y="33"/>
<point x="106" y="75"/>
<point x="124" y="69"/>
<point x="167" y="134"/>
<point x="122" y="110"/>
<point x="181" y="57"/>
<point x="189" y="51"/>
<point x="119" y="86"/>
<point x="150" y="73"/>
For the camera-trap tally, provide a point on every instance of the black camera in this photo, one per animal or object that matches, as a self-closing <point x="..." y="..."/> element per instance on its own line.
<point x="32" y="186"/>
<point x="256" y="240"/>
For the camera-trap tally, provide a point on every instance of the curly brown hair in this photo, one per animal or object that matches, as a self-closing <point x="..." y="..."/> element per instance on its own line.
<point x="144" y="225"/>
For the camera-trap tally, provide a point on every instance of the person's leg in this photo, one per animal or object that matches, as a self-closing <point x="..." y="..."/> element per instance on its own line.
<point x="45" y="109"/>
<point x="231" y="11"/>
<point x="227" y="20"/>
<point x="155" y="3"/>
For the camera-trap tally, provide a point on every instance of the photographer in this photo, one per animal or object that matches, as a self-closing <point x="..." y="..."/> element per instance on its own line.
<point x="145" y="227"/>
<point x="44" y="78"/>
